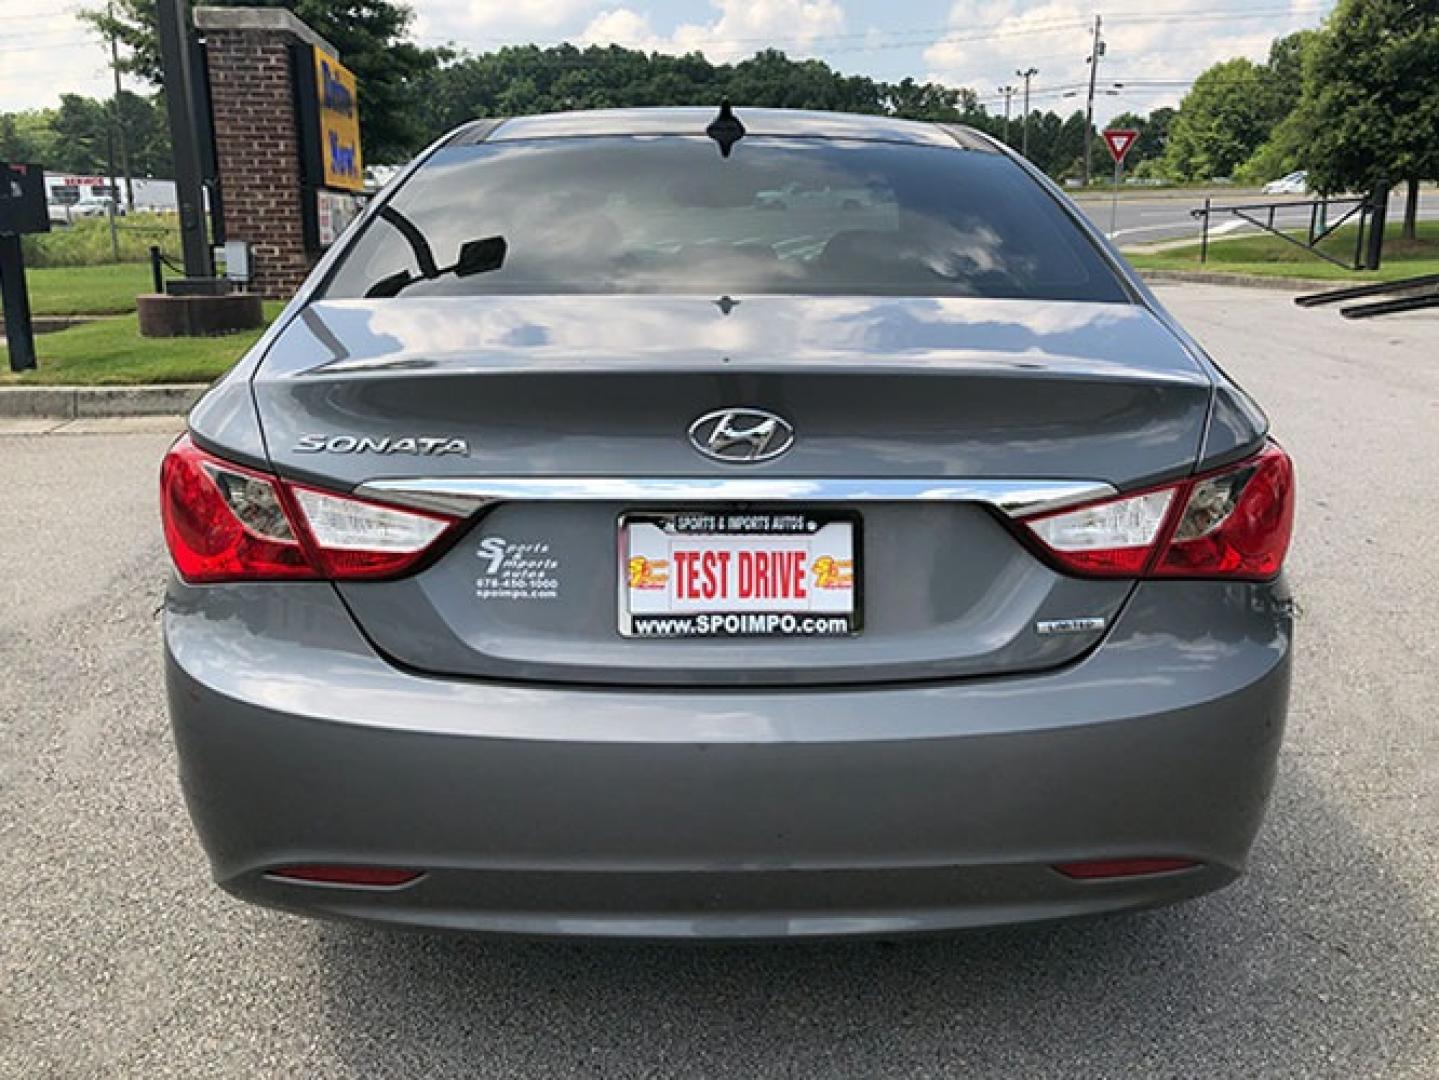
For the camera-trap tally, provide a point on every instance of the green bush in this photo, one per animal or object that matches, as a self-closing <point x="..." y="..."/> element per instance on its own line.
<point x="87" y="241"/>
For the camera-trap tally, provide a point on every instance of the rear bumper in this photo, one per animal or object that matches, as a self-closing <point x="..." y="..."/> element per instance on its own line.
<point x="731" y="813"/>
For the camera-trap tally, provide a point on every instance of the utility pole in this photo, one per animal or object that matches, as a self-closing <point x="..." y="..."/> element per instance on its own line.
<point x="1095" y="52"/>
<point x="112" y="201"/>
<point x="1008" y="92"/>
<point x="119" y="120"/>
<point x="1026" y="75"/>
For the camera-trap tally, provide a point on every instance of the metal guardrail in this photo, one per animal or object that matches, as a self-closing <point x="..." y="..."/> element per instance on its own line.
<point x="1369" y="210"/>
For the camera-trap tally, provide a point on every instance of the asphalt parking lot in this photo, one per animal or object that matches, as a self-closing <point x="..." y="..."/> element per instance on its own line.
<point x="118" y="958"/>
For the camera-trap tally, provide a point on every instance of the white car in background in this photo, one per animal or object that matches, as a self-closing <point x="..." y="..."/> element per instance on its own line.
<point x="96" y="206"/>
<point x="1295" y="183"/>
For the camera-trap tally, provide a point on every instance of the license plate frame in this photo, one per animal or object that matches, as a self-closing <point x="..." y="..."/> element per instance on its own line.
<point x="726" y="528"/>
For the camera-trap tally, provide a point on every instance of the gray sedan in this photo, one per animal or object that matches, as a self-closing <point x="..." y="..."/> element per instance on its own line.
<point x="594" y="547"/>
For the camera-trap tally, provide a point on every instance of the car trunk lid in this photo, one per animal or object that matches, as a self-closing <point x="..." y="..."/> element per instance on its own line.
<point x="550" y="420"/>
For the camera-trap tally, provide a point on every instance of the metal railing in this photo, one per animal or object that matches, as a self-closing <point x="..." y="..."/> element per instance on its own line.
<point x="1368" y="210"/>
<point x="158" y="262"/>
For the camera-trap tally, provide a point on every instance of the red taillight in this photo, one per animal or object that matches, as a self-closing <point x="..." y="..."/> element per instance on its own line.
<point x="226" y="522"/>
<point x="1237" y="522"/>
<point x="1116" y="868"/>
<point x="1234" y="522"/>
<point x="367" y="876"/>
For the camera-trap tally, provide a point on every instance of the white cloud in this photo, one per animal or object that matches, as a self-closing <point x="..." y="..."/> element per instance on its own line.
<point x="740" y="28"/>
<point x="987" y="41"/>
<point x="478" y="23"/>
<point x="623" y="26"/>
<point x="44" y="53"/>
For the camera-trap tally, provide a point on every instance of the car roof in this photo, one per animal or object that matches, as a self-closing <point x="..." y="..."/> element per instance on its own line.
<point x="693" y="120"/>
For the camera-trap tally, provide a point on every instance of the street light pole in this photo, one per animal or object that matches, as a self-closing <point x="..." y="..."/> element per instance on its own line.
<point x="1026" y="75"/>
<point x="1095" y="52"/>
<point x="1008" y="92"/>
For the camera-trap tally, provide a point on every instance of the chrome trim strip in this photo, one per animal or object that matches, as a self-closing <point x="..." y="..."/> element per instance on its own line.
<point x="464" y="495"/>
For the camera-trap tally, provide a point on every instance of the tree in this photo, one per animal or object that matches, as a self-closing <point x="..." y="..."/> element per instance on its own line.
<point x="368" y="34"/>
<point x="1283" y="83"/>
<point x="1066" y="151"/>
<point x="1227" y="114"/>
<point x="1371" y="100"/>
<point x="528" y="79"/>
<point x="82" y="136"/>
<point x="132" y="23"/>
<point x="927" y="101"/>
<point x="75" y="138"/>
<point x="28" y="136"/>
<point x="147" y="132"/>
<point x="1044" y="129"/>
<point x="1282" y="152"/>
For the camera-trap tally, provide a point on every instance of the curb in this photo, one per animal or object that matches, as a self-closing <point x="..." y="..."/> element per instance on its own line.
<point x="92" y="402"/>
<point x="1245" y="281"/>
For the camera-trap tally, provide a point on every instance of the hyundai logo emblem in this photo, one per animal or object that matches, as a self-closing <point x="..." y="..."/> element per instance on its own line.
<point x="741" y="436"/>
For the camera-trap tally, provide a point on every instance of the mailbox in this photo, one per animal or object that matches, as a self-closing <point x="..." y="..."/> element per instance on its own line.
<point x="22" y="199"/>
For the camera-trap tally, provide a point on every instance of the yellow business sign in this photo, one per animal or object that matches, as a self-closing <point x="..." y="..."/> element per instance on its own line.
<point x="339" y="124"/>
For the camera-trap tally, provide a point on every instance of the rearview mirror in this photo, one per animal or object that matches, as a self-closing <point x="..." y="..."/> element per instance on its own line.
<point x="480" y="256"/>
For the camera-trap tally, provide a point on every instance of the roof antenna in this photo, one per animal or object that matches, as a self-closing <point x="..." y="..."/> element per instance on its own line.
<point x="725" y="128"/>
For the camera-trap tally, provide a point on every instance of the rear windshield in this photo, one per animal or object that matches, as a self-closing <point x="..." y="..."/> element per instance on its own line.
<point x="670" y="214"/>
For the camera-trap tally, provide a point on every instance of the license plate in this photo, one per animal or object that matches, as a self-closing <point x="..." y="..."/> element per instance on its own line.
<point x="698" y="574"/>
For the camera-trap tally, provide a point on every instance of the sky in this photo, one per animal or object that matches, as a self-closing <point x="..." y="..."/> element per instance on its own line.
<point x="1153" y="48"/>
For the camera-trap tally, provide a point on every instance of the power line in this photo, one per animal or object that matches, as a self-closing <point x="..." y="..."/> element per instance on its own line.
<point x="72" y="43"/>
<point x="57" y="32"/>
<point x="45" y="16"/>
<point x="1211" y="15"/>
<point x="991" y="31"/>
<point x="929" y="35"/>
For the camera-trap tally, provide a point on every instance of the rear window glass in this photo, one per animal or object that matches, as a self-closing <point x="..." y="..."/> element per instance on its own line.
<point x="669" y="214"/>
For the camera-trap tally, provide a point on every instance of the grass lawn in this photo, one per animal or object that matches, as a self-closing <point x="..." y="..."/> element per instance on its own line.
<point x="111" y="352"/>
<point x="1269" y="256"/>
<point x="87" y="290"/>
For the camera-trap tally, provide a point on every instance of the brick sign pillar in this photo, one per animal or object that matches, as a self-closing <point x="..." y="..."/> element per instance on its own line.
<point x="258" y="148"/>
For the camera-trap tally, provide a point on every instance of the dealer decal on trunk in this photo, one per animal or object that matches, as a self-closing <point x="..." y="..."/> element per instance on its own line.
<point x="524" y="570"/>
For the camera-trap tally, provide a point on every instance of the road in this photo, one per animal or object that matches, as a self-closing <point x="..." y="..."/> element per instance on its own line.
<point x="117" y="957"/>
<point x="1150" y="219"/>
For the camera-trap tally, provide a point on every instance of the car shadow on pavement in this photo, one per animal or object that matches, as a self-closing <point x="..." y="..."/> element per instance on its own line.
<point x="1320" y="962"/>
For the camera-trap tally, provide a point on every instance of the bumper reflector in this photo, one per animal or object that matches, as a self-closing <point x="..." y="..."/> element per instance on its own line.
<point x="1115" y="868"/>
<point x="368" y="876"/>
